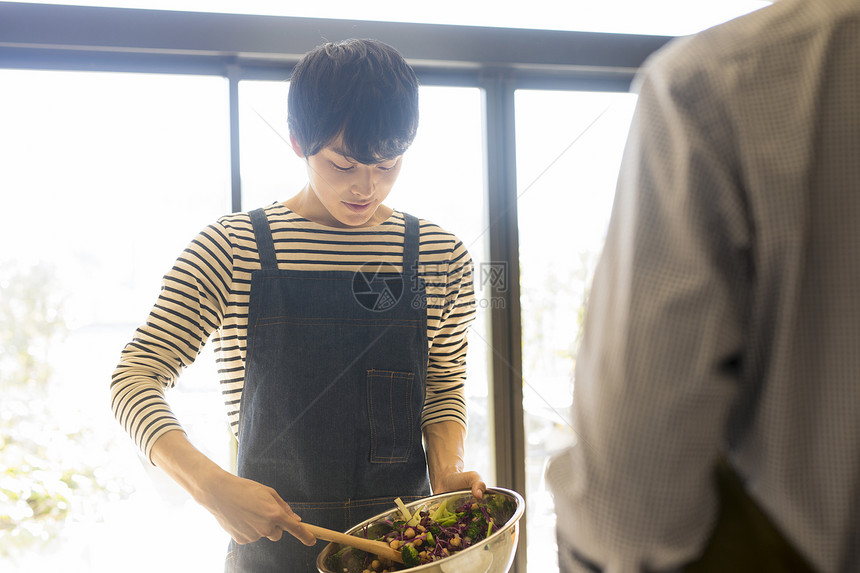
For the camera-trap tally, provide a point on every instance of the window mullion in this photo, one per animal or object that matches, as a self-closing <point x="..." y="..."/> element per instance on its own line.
<point x="506" y="391"/>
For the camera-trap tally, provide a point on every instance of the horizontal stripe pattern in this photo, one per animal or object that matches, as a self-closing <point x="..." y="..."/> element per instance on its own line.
<point x="206" y="294"/>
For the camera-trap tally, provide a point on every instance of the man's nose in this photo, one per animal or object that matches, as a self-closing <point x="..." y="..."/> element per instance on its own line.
<point x="365" y="183"/>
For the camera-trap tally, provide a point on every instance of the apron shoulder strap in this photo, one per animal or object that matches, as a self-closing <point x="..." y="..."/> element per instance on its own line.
<point x="411" y="246"/>
<point x="263" y="236"/>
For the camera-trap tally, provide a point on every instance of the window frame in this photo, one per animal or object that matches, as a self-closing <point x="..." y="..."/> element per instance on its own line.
<point x="498" y="61"/>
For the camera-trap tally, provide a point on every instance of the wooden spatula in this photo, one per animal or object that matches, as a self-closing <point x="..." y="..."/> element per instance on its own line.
<point x="371" y="546"/>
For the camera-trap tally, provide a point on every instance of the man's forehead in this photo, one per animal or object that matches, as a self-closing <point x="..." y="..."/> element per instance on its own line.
<point x="336" y="146"/>
<point x="338" y="150"/>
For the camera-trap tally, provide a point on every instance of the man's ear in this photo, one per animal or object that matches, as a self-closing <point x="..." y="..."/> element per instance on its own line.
<point x="296" y="147"/>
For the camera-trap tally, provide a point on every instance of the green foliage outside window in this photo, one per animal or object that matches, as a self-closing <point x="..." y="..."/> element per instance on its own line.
<point x="51" y="460"/>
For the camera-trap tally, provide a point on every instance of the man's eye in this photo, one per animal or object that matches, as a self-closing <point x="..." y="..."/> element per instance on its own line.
<point x="339" y="168"/>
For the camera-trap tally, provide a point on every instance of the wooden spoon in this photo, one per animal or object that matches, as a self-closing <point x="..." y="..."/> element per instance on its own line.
<point x="371" y="546"/>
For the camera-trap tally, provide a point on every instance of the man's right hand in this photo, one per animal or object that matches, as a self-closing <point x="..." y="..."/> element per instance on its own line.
<point x="247" y="510"/>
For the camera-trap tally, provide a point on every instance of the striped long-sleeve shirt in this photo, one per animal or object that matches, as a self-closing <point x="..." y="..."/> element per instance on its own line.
<point x="206" y="293"/>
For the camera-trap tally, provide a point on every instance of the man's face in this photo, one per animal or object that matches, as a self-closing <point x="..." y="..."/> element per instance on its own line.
<point x="351" y="192"/>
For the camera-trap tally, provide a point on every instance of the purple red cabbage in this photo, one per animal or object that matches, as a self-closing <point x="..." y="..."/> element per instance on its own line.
<point x="458" y="529"/>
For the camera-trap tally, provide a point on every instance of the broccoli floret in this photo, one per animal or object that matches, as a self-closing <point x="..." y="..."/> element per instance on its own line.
<point x="498" y="505"/>
<point x="475" y="529"/>
<point x="409" y="555"/>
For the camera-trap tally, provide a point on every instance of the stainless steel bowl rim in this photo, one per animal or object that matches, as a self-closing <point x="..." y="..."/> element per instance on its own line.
<point x="510" y="523"/>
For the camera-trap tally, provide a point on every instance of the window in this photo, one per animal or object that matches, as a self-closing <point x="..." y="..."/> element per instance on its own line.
<point x="89" y="158"/>
<point x="566" y="184"/>
<point x="90" y="161"/>
<point x="664" y="17"/>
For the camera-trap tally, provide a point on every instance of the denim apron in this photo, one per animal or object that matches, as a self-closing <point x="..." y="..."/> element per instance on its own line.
<point x="334" y="388"/>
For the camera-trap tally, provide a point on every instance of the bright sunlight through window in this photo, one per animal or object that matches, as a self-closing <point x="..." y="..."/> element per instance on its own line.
<point x="661" y="17"/>
<point x="107" y="176"/>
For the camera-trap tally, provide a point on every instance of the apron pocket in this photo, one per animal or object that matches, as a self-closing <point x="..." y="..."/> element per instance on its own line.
<point x="392" y="421"/>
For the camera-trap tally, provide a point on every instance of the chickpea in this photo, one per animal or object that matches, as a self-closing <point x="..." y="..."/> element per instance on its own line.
<point x="395" y="544"/>
<point x="418" y="542"/>
<point x="375" y="564"/>
<point x="409" y="533"/>
<point x="455" y="542"/>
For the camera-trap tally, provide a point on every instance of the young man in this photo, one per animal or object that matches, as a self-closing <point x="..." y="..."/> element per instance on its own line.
<point x="339" y="324"/>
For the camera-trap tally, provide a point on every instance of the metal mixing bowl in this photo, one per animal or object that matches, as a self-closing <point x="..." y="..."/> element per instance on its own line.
<point x="494" y="554"/>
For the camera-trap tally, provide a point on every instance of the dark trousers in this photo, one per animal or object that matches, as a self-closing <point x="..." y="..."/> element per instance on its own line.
<point x="744" y="539"/>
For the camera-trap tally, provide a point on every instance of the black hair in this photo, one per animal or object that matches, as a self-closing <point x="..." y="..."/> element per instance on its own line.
<point x="362" y="90"/>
